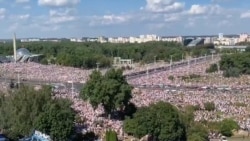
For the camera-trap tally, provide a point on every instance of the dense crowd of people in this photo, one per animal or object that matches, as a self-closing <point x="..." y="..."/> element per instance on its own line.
<point x="49" y="73"/>
<point x="227" y="103"/>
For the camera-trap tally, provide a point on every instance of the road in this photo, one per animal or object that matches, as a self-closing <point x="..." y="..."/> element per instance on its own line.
<point x="172" y="67"/>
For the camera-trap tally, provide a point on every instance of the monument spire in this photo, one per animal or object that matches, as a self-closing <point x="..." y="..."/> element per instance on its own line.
<point x="14" y="47"/>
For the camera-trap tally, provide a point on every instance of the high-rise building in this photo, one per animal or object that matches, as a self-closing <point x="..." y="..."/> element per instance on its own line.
<point x="221" y="36"/>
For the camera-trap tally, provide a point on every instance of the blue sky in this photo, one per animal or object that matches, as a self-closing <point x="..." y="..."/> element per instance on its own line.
<point x="80" y="18"/>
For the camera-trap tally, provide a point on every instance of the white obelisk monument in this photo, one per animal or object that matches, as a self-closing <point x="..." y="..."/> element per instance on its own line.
<point x="14" y="47"/>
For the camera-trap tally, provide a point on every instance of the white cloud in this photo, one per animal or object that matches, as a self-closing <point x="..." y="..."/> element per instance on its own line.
<point x="24" y="17"/>
<point x="22" y="1"/>
<point x="224" y="23"/>
<point x="220" y="1"/>
<point x="109" y="19"/>
<point x="167" y="6"/>
<point x="2" y="13"/>
<point x="245" y="15"/>
<point x="58" y="3"/>
<point x="60" y="16"/>
<point x="13" y="27"/>
<point x="171" y="18"/>
<point x="197" y="9"/>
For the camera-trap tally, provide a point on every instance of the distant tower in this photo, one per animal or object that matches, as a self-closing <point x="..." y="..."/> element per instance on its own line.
<point x="14" y="46"/>
<point x="221" y="36"/>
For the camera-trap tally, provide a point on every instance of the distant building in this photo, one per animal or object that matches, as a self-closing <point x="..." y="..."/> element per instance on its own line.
<point x="196" y="42"/>
<point x="102" y="39"/>
<point x="30" y="40"/>
<point x="177" y="39"/>
<point x="24" y="55"/>
<point x="238" y="48"/>
<point x="187" y="41"/>
<point x="220" y="36"/>
<point x="244" y="37"/>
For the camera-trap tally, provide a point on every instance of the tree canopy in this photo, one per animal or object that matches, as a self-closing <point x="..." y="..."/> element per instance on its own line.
<point x="111" y="136"/>
<point x="161" y="121"/>
<point x="234" y="65"/>
<point x="110" y="90"/>
<point x="227" y="126"/>
<point x="25" y="110"/>
<point x="212" y="68"/>
<point x="87" y="54"/>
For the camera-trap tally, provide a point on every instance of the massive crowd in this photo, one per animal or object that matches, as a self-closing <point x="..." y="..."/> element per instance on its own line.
<point x="49" y="73"/>
<point x="228" y="103"/>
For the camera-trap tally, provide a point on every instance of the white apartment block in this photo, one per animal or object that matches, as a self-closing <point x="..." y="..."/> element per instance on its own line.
<point x="208" y="40"/>
<point x="217" y="40"/>
<point x="118" y="40"/>
<point x="226" y="41"/>
<point x="76" y="40"/>
<point x="244" y="37"/>
<point x="178" y="39"/>
<point x="102" y="39"/>
<point x="31" y="40"/>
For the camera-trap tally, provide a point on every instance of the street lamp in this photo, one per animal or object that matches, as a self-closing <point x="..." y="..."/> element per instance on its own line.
<point x="171" y="63"/>
<point x="72" y="88"/>
<point x="97" y="66"/>
<point x="18" y="77"/>
<point x="154" y="60"/>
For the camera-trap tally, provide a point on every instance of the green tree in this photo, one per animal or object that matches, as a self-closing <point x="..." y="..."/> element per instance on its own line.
<point x="197" y="132"/>
<point x="23" y="108"/>
<point x="209" y="106"/>
<point x="160" y="120"/>
<point x="50" y="121"/>
<point x="231" y="72"/>
<point x="212" y="68"/>
<point x="111" y="136"/>
<point x="247" y="49"/>
<point x="171" y="77"/>
<point x="227" y="126"/>
<point x="111" y="90"/>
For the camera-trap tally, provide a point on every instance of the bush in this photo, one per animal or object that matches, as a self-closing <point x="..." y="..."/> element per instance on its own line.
<point x="231" y="72"/>
<point x="111" y="136"/>
<point x="212" y="68"/>
<point x="171" y="77"/>
<point x="227" y="126"/>
<point x="209" y="106"/>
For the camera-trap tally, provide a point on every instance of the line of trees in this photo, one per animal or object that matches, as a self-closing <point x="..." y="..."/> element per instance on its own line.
<point x="234" y="65"/>
<point x="88" y="54"/>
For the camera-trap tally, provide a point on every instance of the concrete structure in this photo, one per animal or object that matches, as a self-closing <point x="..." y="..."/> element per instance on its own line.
<point x="118" y="62"/>
<point x="196" y="42"/>
<point x="14" y="47"/>
<point x="238" y="48"/>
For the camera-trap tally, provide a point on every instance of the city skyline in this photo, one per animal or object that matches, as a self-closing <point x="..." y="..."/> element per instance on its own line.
<point x="79" y="18"/>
